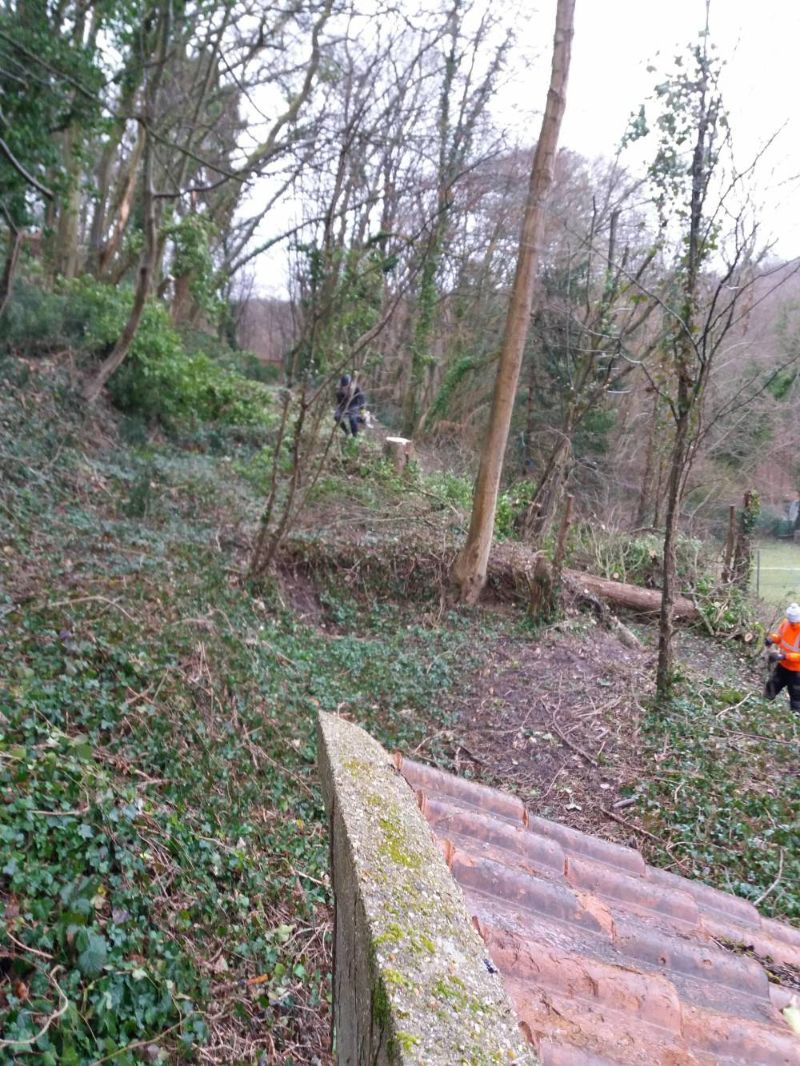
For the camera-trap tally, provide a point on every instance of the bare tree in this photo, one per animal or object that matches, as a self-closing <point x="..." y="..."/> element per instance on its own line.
<point x="591" y="332"/>
<point x="470" y="566"/>
<point x="705" y="290"/>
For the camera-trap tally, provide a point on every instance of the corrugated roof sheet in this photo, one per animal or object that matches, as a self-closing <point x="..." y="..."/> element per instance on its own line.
<point x="609" y="961"/>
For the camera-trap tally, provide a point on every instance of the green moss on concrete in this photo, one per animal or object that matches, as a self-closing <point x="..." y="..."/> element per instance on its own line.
<point x="427" y="973"/>
<point x="396" y="979"/>
<point x="397" y="844"/>
<point x="397" y="934"/>
<point x="381" y="1008"/>
<point x="453" y="990"/>
<point x="407" y="1041"/>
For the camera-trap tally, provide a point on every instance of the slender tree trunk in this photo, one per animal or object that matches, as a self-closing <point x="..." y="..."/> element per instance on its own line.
<point x="470" y="567"/>
<point x="182" y="303"/>
<point x="128" y="187"/>
<point x="428" y="295"/>
<point x="543" y="508"/>
<point x="66" y="248"/>
<point x="646" y="487"/>
<point x="743" y="551"/>
<point x="691" y="372"/>
<point x="680" y="447"/>
<point x="146" y="266"/>
<point x="730" y="545"/>
<point x="15" y="239"/>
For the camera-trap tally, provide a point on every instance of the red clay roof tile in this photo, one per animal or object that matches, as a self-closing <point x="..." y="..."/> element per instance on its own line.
<point x="610" y="962"/>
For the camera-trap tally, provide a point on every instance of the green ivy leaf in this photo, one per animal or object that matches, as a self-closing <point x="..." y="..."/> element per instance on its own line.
<point x="94" y="955"/>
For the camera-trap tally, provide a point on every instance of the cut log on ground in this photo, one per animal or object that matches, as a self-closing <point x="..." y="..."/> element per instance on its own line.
<point x="420" y="566"/>
<point x="400" y="450"/>
<point x="630" y="597"/>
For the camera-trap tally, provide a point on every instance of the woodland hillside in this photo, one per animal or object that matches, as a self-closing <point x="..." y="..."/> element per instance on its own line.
<point x="164" y="883"/>
<point x="532" y="564"/>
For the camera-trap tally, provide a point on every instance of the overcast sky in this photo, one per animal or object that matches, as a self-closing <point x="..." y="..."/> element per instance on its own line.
<point x="615" y="41"/>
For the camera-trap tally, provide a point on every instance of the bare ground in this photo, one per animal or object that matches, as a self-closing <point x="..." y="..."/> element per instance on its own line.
<point x="557" y="720"/>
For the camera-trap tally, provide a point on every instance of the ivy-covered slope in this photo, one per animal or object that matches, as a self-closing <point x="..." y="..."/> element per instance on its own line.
<point x="163" y="882"/>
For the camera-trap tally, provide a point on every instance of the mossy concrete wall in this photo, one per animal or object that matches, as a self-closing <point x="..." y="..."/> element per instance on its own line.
<point x="411" y="981"/>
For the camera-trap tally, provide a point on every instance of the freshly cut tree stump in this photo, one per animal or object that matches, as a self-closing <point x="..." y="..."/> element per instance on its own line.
<point x="400" y="450"/>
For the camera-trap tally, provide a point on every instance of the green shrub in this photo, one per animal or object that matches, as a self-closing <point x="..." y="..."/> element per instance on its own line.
<point x="511" y="505"/>
<point x="33" y="322"/>
<point x="638" y="560"/>
<point x="239" y="360"/>
<point x="454" y="488"/>
<point x="161" y="378"/>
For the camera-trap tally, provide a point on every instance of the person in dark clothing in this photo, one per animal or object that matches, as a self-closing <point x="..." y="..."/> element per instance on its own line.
<point x="350" y="401"/>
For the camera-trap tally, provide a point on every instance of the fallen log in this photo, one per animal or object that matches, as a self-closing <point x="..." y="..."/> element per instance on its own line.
<point x="631" y="597"/>
<point x="419" y="567"/>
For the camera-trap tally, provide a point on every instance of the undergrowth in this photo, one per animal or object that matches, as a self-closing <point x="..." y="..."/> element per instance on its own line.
<point x="723" y="792"/>
<point x="164" y="876"/>
<point x="164" y="882"/>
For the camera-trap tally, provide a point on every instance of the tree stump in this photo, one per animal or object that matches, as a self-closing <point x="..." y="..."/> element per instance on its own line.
<point x="400" y="451"/>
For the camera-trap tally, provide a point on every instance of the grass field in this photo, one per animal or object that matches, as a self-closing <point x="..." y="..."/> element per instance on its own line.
<point x="777" y="575"/>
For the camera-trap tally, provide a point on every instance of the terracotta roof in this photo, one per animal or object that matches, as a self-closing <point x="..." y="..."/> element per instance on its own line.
<point x="609" y="960"/>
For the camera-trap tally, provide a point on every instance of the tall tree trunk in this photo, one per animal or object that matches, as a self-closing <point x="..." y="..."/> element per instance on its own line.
<point x="66" y="247"/>
<point x="15" y="239"/>
<point x="691" y="375"/>
<point x="146" y="267"/>
<point x="182" y="302"/>
<point x="127" y="191"/>
<point x="104" y="173"/>
<point x="680" y="450"/>
<point x="470" y="566"/>
<point x="543" y="508"/>
<point x="428" y="294"/>
<point x="646" y="487"/>
<point x="147" y="263"/>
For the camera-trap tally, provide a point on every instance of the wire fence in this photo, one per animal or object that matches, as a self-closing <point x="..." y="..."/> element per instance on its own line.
<point x="777" y="572"/>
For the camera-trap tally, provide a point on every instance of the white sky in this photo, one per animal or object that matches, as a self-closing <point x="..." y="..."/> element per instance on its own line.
<point x="615" y="41"/>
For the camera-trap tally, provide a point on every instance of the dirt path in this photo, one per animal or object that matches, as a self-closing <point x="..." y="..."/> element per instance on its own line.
<point x="557" y="721"/>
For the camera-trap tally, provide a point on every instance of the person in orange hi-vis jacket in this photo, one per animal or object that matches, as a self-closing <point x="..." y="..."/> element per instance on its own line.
<point x="784" y="652"/>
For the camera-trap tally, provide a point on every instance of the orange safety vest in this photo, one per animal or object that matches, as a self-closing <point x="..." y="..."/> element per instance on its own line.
<point x="787" y="638"/>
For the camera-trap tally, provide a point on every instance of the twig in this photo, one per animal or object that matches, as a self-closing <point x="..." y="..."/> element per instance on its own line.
<point x="735" y="707"/>
<point x="469" y="754"/>
<point x="77" y="813"/>
<point x="64" y="1004"/>
<point x="575" y="748"/>
<point x="94" y="599"/>
<point x="240" y="982"/>
<point x="650" y="836"/>
<point x="307" y="877"/>
<point x="635" y="828"/>
<point x="428" y="740"/>
<point x="774" y="884"/>
<point x="757" y="736"/>
<point x="558" y="772"/>
<point x="139" y="1043"/>
<point x="27" y="947"/>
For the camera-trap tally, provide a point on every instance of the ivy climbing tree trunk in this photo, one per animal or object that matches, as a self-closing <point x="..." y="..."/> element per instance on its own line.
<point x="469" y="570"/>
<point x="147" y="263"/>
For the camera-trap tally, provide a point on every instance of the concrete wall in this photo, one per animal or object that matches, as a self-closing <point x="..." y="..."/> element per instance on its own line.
<point x="411" y="984"/>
